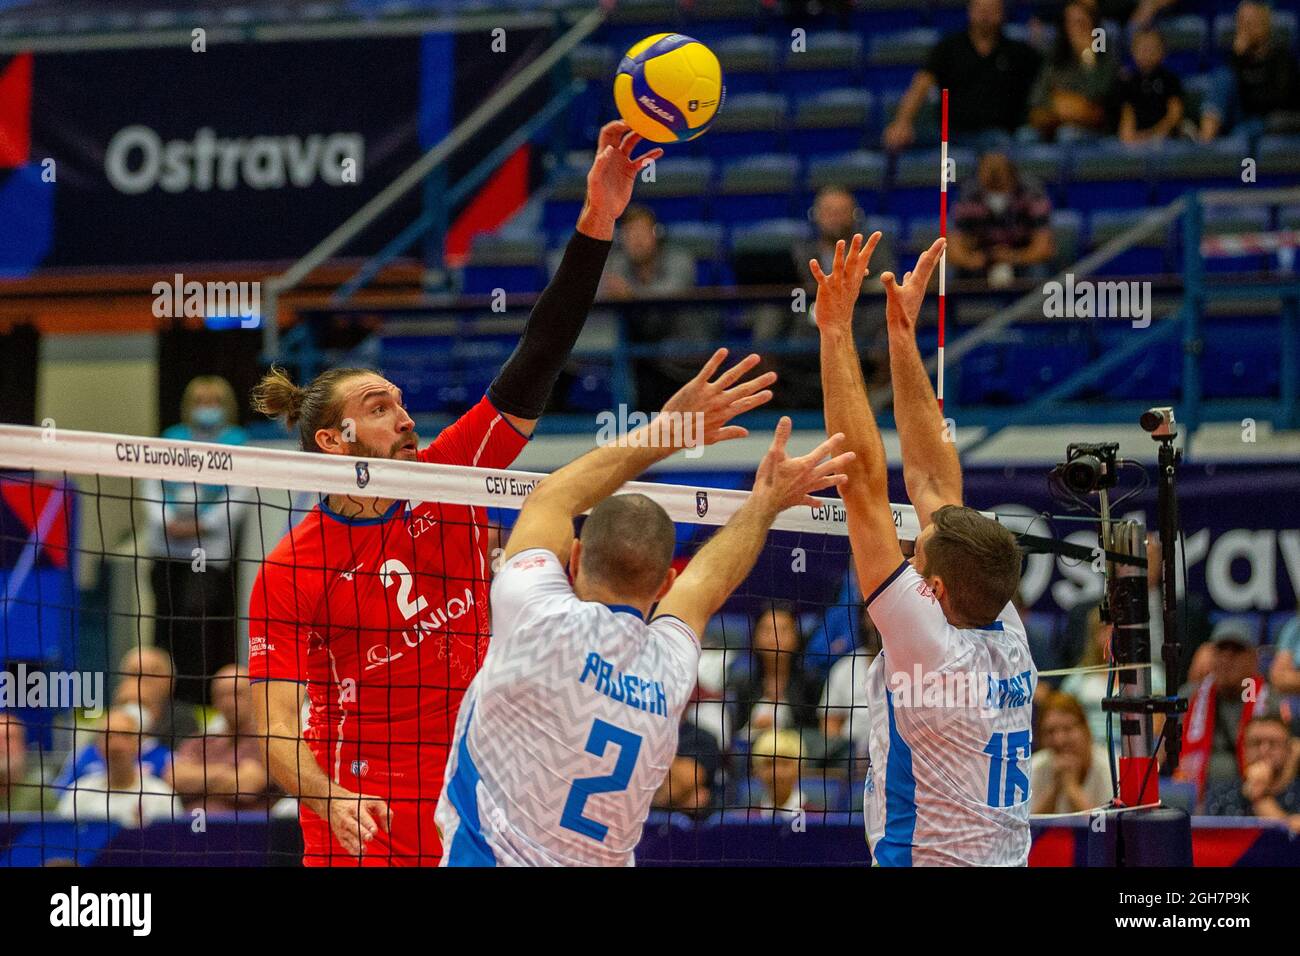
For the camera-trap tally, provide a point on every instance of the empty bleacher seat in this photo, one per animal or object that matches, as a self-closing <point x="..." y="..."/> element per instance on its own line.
<point x="757" y="187"/>
<point x="748" y="123"/>
<point x="512" y="263"/>
<point x="679" y="186"/>
<point x="832" y="121"/>
<point x="826" y="58"/>
<point x="1109" y="174"/>
<point x="704" y="241"/>
<point x="1149" y="254"/>
<point x="861" y="171"/>
<point x="748" y="63"/>
<point x="1180" y="165"/>
<point x="1279" y="159"/>
<point x="903" y="48"/>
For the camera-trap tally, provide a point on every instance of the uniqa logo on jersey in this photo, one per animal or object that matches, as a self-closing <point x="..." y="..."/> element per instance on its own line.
<point x="137" y="160"/>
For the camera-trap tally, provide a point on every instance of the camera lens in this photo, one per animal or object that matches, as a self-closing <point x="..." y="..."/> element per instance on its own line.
<point x="1081" y="474"/>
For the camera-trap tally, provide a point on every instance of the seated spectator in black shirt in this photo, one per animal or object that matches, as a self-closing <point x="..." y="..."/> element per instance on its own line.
<point x="1270" y="788"/>
<point x="1151" y="97"/>
<point x="1260" y="90"/>
<point x="692" y="786"/>
<point x="1001" y="229"/>
<point x="988" y="78"/>
<point x="1075" y="89"/>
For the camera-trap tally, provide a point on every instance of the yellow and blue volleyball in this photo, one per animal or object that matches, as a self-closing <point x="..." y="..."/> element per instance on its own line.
<point x="669" y="88"/>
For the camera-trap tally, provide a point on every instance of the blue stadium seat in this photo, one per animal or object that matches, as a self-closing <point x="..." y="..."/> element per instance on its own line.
<point x="748" y="63"/>
<point x="1241" y="359"/>
<point x="832" y="121"/>
<point x="759" y="187"/>
<point x="830" y="58"/>
<point x="1109" y="175"/>
<point x="861" y="171"/>
<point x="748" y="123"/>
<point x="1151" y="254"/>
<point x="1180" y="166"/>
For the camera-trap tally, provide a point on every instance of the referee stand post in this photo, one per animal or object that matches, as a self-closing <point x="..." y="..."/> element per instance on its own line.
<point x="1136" y="830"/>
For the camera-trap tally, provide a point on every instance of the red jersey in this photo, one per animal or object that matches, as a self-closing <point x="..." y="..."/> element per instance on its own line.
<point x="386" y="622"/>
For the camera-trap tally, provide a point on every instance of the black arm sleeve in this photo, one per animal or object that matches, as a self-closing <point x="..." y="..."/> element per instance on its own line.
<point x="524" y="384"/>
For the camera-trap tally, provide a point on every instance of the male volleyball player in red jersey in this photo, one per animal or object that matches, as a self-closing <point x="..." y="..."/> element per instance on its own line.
<point x="376" y="609"/>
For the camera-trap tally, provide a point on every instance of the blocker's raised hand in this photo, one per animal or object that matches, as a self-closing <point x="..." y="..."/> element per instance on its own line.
<point x="903" y="300"/>
<point x="787" y="481"/>
<point x="838" y="292"/>
<point x="721" y="400"/>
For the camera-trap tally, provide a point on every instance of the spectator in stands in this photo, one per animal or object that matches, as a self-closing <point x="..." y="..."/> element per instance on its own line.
<point x="1284" y="674"/>
<point x="145" y="689"/>
<point x="834" y="216"/>
<point x="776" y="762"/>
<point x="146" y="678"/>
<point x="1221" y="707"/>
<point x="1269" y="787"/>
<point x="643" y="265"/>
<point x="1002" y="227"/>
<point x="1151" y="96"/>
<point x="125" y="791"/>
<point x="1075" y="89"/>
<point x="776" y="694"/>
<point x="1259" y="90"/>
<point x="224" y="769"/>
<point x="1068" y="772"/>
<point x="988" y="77"/>
<point x="692" y="785"/>
<point x="21" y="787"/>
<point x="845" y="721"/>
<point x="195" y="604"/>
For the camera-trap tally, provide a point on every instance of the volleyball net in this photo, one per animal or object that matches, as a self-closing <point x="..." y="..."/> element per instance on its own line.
<point x="127" y="565"/>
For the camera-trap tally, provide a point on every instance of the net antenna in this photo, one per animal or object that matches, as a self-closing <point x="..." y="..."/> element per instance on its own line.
<point x="943" y="234"/>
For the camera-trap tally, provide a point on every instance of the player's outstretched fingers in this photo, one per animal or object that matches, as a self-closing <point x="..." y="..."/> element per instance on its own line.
<point x="781" y="435"/>
<point x="869" y="249"/>
<point x="611" y="134"/>
<point x="733" y="374"/>
<point x="749" y="386"/>
<point x="711" y="366"/>
<point x="818" y="275"/>
<point x="929" y="259"/>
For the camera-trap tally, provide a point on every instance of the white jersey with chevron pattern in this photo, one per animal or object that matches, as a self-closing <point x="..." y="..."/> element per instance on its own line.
<point x="567" y="730"/>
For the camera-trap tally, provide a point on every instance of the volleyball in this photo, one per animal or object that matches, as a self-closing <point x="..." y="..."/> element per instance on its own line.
<point x="669" y="87"/>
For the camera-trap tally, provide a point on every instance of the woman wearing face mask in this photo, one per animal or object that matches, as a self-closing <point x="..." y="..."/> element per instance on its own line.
<point x="192" y="528"/>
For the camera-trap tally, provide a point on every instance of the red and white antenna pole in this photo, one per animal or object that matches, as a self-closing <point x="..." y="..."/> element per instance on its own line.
<point x="943" y="233"/>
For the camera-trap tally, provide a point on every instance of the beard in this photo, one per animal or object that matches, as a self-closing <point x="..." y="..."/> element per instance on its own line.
<point x="360" y="449"/>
